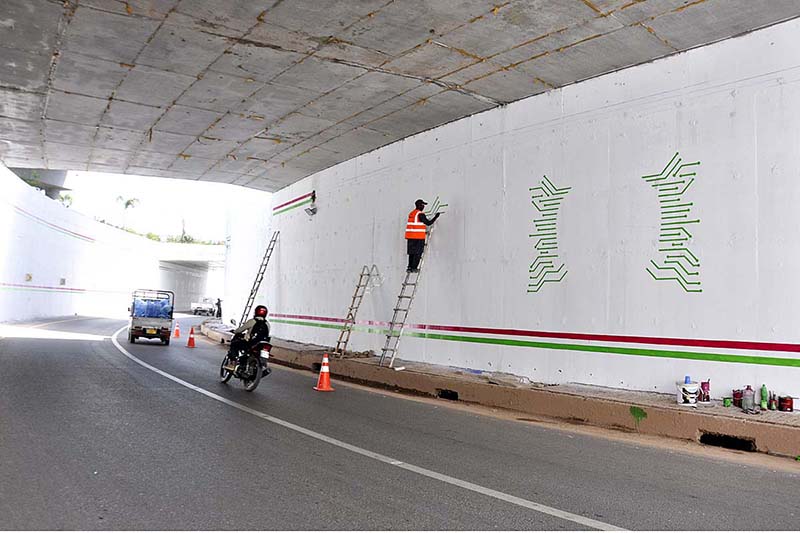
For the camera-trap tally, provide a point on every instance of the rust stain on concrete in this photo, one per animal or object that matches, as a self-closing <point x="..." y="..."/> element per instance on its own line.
<point x="654" y="34"/>
<point x="593" y="7"/>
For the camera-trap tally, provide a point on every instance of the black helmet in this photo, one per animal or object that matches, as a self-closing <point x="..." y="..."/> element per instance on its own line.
<point x="420" y="204"/>
<point x="260" y="312"/>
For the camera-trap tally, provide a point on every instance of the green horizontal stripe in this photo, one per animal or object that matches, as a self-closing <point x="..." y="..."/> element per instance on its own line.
<point x="304" y="202"/>
<point x="642" y="352"/>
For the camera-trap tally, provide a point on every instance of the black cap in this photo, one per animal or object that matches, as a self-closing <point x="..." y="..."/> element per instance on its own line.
<point x="420" y="202"/>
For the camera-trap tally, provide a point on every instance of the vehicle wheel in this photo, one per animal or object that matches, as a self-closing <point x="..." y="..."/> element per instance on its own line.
<point x="224" y="375"/>
<point x="131" y="338"/>
<point x="252" y="374"/>
<point x="166" y="342"/>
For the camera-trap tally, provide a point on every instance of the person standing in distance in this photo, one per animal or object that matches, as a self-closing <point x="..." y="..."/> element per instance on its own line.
<point x="416" y="233"/>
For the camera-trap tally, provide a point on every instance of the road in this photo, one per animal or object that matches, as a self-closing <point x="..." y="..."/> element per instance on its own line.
<point x="94" y="438"/>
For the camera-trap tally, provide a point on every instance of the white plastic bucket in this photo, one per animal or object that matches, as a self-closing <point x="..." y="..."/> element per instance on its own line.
<point x="687" y="392"/>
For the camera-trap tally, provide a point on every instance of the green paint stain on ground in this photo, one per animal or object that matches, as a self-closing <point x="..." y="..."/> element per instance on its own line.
<point x="638" y="414"/>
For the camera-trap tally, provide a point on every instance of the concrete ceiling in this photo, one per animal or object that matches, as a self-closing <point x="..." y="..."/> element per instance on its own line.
<point x="264" y="92"/>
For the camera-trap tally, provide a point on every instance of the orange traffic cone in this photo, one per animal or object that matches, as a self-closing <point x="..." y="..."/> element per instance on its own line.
<point x="190" y="344"/>
<point x="177" y="334"/>
<point x="324" y="381"/>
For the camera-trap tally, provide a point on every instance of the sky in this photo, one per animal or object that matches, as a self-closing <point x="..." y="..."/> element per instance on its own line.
<point x="163" y="203"/>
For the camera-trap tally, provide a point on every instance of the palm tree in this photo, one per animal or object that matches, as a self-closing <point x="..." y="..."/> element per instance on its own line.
<point x="128" y="203"/>
<point x="65" y="199"/>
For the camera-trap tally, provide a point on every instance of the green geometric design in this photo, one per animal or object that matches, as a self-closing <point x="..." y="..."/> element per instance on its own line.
<point x="676" y="262"/>
<point x="546" y="198"/>
<point x="436" y="208"/>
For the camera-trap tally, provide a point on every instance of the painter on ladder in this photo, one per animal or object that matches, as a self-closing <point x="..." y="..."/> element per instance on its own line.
<point x="415" y="234"/>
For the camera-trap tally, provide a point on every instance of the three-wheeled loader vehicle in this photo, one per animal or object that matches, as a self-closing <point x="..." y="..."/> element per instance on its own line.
<point x="151" y="315"/>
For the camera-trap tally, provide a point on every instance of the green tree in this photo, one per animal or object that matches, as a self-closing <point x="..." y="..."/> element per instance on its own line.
<point x="126" y="203"/>
<point x="65" y="199"/>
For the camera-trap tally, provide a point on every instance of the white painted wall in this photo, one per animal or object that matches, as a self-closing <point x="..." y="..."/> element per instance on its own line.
<point x="733" y="106"/>
<point x="189" y="283"/>
<point x="247" y="235"/>
<point x="76" y="265"/>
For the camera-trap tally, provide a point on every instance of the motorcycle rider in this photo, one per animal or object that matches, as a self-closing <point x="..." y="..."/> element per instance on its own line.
<point x="249" y="334"/>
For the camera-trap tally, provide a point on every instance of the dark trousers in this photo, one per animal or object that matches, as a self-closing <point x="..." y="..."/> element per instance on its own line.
<point x="415" y="249"/>
<point x="237" y="345"/>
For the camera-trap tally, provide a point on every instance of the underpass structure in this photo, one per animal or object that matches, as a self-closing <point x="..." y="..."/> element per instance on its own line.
<point x="625" y="230"/>
<point x="55" y="261"/>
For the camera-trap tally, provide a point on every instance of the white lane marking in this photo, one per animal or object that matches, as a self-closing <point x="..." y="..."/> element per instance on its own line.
<point x="541" y="508"/>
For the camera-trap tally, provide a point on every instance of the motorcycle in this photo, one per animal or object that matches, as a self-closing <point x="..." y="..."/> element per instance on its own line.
<point x="249" y="369"/>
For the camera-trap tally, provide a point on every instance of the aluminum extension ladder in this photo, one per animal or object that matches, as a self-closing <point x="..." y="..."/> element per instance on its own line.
<point x="407" y="293"/>
<point x="364" y="279"/>
<point x="259" y="277"/>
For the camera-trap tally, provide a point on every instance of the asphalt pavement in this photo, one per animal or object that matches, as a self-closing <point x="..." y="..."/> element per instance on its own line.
<point x="94" y="438"/>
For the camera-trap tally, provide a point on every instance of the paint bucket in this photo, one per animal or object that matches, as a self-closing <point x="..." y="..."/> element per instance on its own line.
<point x="737" y="397"/>
<point x="705" y="392"/>
<point x="785" y="403"/>
<point x="687" y="393"/>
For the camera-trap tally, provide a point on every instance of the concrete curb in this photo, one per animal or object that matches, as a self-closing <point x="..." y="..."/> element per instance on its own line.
<point x="685" y="424"/>
<point x="682" y="424"/>
<point x="218" y="336"/>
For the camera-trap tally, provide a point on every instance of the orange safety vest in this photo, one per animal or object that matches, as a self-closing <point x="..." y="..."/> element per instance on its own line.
<point x="415" y="229"/>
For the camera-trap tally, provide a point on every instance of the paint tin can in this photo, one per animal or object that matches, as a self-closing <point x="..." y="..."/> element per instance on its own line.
<point x="785" y="403"/>
<point x="737" y="397"/>
<point x="727" y="401"/>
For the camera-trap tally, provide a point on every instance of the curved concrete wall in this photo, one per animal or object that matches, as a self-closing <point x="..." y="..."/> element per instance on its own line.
<point x="624" y="231"/>
<point x="56" y="262"/>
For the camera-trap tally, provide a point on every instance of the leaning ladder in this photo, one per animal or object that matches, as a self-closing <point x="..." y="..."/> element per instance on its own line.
<point x="407" y="293"/>
<point x="364" y="279"/>
<point x="259" y="277"/>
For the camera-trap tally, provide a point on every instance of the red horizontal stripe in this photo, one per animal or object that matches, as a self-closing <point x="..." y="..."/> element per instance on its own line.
<point x="308" y="317"/>
<point x="43" y="221"/>
<point x="625" y="339"/>
<point x="292" y="201"/>
<point x="26" y="286"/>
<point x="622" y="339"/>
<point x="330" y="319"/>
